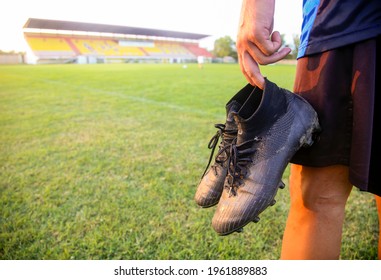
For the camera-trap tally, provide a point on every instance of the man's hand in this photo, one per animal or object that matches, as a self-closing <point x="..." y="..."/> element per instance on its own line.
<point x="256" y="42"/>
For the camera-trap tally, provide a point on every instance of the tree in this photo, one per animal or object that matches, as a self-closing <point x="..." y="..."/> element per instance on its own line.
<point x="225" y="46"/>
<point x="283" y="39"/>
<point x="296" y="40"/>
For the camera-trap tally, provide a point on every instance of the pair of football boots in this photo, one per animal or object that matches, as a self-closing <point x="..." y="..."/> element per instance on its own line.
<point x="262" y="132"/>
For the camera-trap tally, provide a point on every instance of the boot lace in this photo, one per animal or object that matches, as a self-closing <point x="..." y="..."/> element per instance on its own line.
<point x="239" y="159"/>
<point x="227" y="136"/>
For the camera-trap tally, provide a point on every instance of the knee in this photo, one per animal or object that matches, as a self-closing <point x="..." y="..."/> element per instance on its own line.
<point x="320" y="189"/>
<point x="324" y="202"/>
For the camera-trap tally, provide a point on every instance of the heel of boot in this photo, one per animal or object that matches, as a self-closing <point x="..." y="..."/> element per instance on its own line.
<point x="310" y="137"/>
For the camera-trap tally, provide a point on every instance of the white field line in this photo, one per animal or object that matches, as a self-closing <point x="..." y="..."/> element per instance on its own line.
<point x="135" y="98"/>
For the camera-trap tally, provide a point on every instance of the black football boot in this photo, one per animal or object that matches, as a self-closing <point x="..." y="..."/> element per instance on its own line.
<point x="269" y="134"/>
<point x="212" y="181"/>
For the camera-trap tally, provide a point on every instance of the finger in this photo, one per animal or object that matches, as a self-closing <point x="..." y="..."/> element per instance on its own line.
<point x="243" y="70"/>
<point x="240" y="60"/>
<point x="269" y="45"/>
<point x="264" y="59"/>
<point x="252" y="71"/>
<point x="276" y="40"/>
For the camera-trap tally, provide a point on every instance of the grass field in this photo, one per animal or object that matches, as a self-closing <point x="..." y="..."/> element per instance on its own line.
<point x="102" y="162"/>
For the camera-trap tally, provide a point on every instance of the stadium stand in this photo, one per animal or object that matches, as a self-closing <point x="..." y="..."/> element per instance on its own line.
<point x="50" y="47"/>
<point x="66" y="41"/>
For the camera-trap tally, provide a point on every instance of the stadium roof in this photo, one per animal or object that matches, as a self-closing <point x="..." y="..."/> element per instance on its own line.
<point x="96" y="27"/>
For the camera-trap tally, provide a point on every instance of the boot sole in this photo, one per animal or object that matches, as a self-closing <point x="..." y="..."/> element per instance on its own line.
<point x="256" y="219"/>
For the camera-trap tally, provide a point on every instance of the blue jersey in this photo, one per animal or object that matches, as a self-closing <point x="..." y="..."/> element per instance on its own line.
<point x="329" y="24"/>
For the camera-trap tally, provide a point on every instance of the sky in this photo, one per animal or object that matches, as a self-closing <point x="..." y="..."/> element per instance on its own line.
<point x="217" y="18"/>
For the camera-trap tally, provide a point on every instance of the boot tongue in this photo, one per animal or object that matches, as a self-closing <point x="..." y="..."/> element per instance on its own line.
<point x="235" y="104"/>
<point x="231" y="109"/>
<point x="260" y="111"/>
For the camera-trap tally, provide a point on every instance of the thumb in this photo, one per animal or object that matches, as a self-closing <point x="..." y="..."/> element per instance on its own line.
<point x="272" y="44"/>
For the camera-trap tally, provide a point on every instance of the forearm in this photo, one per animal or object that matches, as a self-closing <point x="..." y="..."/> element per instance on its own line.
<point x="256" y="22"/>
<point x="256" y="41"/>
<point x="257" y="10"/>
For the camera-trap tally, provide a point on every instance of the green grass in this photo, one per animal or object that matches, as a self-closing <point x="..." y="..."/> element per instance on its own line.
<point x="102" y="162"/>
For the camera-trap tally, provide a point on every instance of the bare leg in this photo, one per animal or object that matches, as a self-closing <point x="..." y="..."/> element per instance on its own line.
<point x="378" y="201"/>
<point x="315" y="221"/>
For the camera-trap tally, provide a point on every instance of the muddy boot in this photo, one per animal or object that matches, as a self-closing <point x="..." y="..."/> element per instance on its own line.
<point x="212" y="181"/>
<point x="269" y="134"/>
